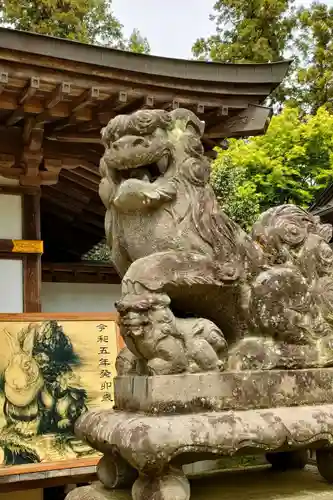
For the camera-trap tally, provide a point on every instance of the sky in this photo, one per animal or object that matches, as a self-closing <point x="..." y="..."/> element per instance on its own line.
<point x="171" y="26"/>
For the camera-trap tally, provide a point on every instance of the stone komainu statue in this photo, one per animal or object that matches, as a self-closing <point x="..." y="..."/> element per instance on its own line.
<point x="198" y="294"/>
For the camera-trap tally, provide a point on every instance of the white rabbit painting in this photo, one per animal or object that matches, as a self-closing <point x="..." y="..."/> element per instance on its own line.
<point x="39" y="390"/>
<point x="23" y="383"/>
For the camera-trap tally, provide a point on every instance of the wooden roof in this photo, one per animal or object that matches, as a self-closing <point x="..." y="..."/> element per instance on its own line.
<point x="323" y="205"/>
<point x="55" y="95"/>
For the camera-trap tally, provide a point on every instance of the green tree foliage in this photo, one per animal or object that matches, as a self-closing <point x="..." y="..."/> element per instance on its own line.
<point x="236" y="194"/>
<point x="87" y="21"/>
<point x="137" y="43"/>
<point x="248" y="31"/>
<point x="99" y="253"/>
<point x="314" y="82"/>
<point x="270" y="30"/>
<point x="288" y="165"/>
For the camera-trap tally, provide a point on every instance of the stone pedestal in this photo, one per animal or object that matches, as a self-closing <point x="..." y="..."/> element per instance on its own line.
<point x="164" y="422"/>
<point x="216" y="391"/>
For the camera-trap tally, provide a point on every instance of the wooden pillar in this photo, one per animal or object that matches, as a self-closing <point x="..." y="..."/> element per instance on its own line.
<point x="32" y="275"/>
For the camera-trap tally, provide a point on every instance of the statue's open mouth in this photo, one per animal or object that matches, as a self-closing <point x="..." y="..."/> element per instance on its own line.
<point x="148" y="173"/>
<point x="140" y="188"/>
<point x="132" y="158"/>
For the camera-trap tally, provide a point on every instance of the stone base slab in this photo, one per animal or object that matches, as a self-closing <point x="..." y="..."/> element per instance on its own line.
<point x="242" y="485"/>
<point x="151" y="443"/>
<point x="215" y="391"/>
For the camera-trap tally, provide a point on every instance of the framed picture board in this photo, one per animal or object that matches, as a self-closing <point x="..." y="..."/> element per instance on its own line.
<point x="53" y="367"/>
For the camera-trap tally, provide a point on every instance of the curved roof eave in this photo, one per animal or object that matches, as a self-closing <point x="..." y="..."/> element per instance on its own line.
<point x="41" y="45"/>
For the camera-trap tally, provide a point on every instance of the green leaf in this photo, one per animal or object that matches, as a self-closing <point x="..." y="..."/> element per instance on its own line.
<point x="87" y="21"/>
<point x="289" y="164"/>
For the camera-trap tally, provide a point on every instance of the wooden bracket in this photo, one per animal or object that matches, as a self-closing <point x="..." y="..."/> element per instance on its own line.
<point x="33" y="134"/>
<point x="3" y="81"/>
<point x="31" y="161"/>
<point x="200" y="109"/>
<point x="171" y="105"/>
<point x="28" y="92"/>
<point x="148" y="103"/>
<point x="32" y="156"/>
<point x="7" y="167"/>
<point x="54" y="166"/>
<point x="88" y="98"/>
<point x="58" y="95"/>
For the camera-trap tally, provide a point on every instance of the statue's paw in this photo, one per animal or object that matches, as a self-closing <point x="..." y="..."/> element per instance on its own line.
<point x="193" y="368"/>
<point x="159" y="366"/>
<point x="126" y="362"/>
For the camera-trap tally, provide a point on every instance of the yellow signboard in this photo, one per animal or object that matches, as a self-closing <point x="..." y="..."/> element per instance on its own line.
<point x="53" y="368"/>
<point x="28" y="246"/>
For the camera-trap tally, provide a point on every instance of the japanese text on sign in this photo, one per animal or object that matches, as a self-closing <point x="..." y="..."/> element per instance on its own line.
<point x="104" y="363"/>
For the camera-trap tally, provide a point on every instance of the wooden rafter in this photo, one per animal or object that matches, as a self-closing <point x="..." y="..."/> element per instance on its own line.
<point x="83" y="272"/>
<point x="252" y="121"/>
<point x="79" y="181"/>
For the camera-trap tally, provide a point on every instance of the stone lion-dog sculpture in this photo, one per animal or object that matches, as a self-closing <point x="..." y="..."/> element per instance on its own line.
<point x="228" y="336"/>
<point x="245" y="302"/>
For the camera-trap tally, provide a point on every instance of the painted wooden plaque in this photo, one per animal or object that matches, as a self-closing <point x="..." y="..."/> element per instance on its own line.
<point x="28" y="246"/>
<point x="52" y="369"/>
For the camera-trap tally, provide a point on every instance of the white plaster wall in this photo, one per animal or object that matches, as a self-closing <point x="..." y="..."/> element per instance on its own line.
<point x="11" y="271"/>
<point x="10" y="217"/>
<point x="79" y="297"/>
<point x="11" y="285"/>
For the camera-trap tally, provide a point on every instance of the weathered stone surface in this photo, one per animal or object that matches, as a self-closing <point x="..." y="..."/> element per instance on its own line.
<point x="96" y="491"/>
<point x="171" y="485"/>
<point x="181" y="256"/>
<point x="260" y="353"/>
<point x="150" y="443"/>
<point x="223" y="391"/>
<point x="259" y="484"/>
<point x="114" y="472"/>
<point x="324" y="458"/>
